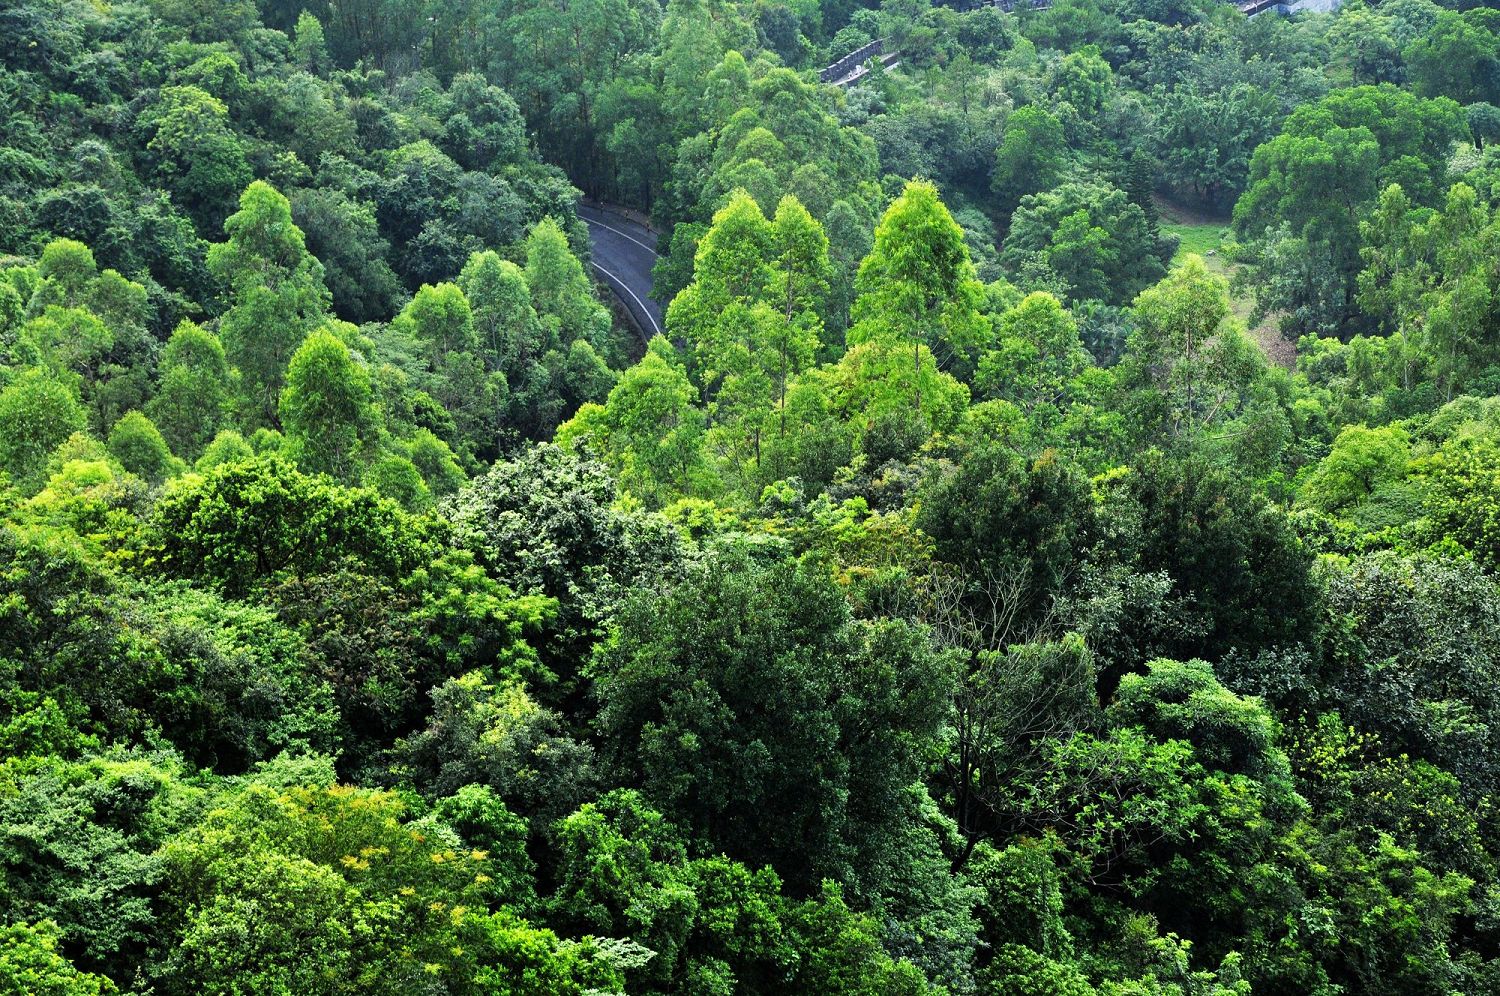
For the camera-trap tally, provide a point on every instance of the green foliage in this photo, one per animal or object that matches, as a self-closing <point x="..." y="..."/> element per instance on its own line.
<point x="80" y="851"/>
<point x="560" y="290"/>
<point x="1315" y="180"/>
<point x="714" y="925"/>
<point x="917" y="285"/>
<point x="1424" y="272"/>
<point x="1022" y="523"/>
<point x="1360" y="464"/>
<point x="1086" y="239"/>
<point x="277" y="292"/>
<point x="38" y="413"/>
<point x="648" y="430"/>
<point x="398" y="479"/>
<point x="299" y="873"/>
<point x="326" y="407"/>
<point x="246" y="522"/>
<point x="140" y="448"/>
<point x="435" y="461"/>
<point x="1031" y="156"/>
<point x="1232" y="557"/>
<point x="191" y="401"/>
<point x="808" y="796"/>
<point x="980" y="601"/>
<point x="1195" y="378"/>
<point x="1411" y="659"/>
<point x="552" y="524"/>
<point x="497" y="737"/>
<point x="194" y="150"/>
<point x="31" y="966"/>
<point x="1036" y="356"/>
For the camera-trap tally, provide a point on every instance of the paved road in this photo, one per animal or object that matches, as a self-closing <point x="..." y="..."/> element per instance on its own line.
<point x="624" y="252"/>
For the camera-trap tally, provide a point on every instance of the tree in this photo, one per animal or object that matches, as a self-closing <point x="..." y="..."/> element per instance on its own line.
<point x="648" y="430"/>
<point x="917" y="285"/>
<point x="440" y="319"/>
<point x="1483" y="120"/>
<point x="799" y="285"/>
<point x="1456" y="59"/>
<point x="1236" y="565"/>
<point x="397" y="478"/>
<point x="553" y="525"/>
<point x="1031" y="156"/>
<point x="1361" y="461"/>
<point x="263" y="901"/>
<point x="506" y="326"/>
<point x="1013" y="525"/>
<point x="1036" y="355"/>
<point x="343" y="235"/>
<point x="38" y="413"/>
<point x="560" y="290"/>
<point x="498" y="737"/>
<point x="1012" y="706"/>
<point x="308" y="46"/>
<point x="277" y="293"/>
<point x="1089" y="239"/>
<point x="190" y="400"/>
<point x="1173" y="700"/>
<point x="72" y="343"/>
<point x="1084" y="79"/>
<point x="326" y="407"/>
<point x="751" y="316"/>
<point x="1427" y="274"/>
<point x="140" y="448"/>
<point x="1310" y="185"/>
<point x="30" y="965"/>
<point x="227" y="446"/>
<point x="729" y="268"/>
<point x="1191" y="367"/>
<point x="1206" y="138"/>
<point x="248" y="521"/>
<point x="812" y="785"/>
<point x="436" y="462"/>
<point x="195" y="152"/>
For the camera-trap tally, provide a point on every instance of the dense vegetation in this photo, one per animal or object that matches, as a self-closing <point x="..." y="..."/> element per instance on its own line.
<point x="972" y="592"/>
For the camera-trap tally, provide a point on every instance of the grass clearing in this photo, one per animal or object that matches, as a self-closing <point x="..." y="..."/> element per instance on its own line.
<point x="1197" y="238"/>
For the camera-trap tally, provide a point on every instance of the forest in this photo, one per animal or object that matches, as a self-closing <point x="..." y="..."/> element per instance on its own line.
<point x="1052" y="548"/>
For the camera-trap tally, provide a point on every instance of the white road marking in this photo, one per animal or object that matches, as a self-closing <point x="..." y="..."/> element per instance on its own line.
<point x="626" y="287"/>
<point x="632" y="238"/>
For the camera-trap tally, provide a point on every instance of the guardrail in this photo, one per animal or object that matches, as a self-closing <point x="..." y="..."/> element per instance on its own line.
<point x="852" y="61"/>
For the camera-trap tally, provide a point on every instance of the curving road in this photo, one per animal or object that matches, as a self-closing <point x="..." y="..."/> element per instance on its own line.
<point x="623" y="253"/>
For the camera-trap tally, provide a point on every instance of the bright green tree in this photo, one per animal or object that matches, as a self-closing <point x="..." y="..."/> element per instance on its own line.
<point x="277" y="295"/>
<point x="38" y="413"/>
<point x="190" y="401"/>
<point x="140" y="448"/>
<point x="326" y="406"/>
<point x="506" y="327"/>
<point x="648" y="430"/>
<point x="1037" y="354"/>
<point x="917" y="285"/>
<point x="30" y="965"/>
<point x="1359" y="463"/>
<point x="561" y="291"/>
